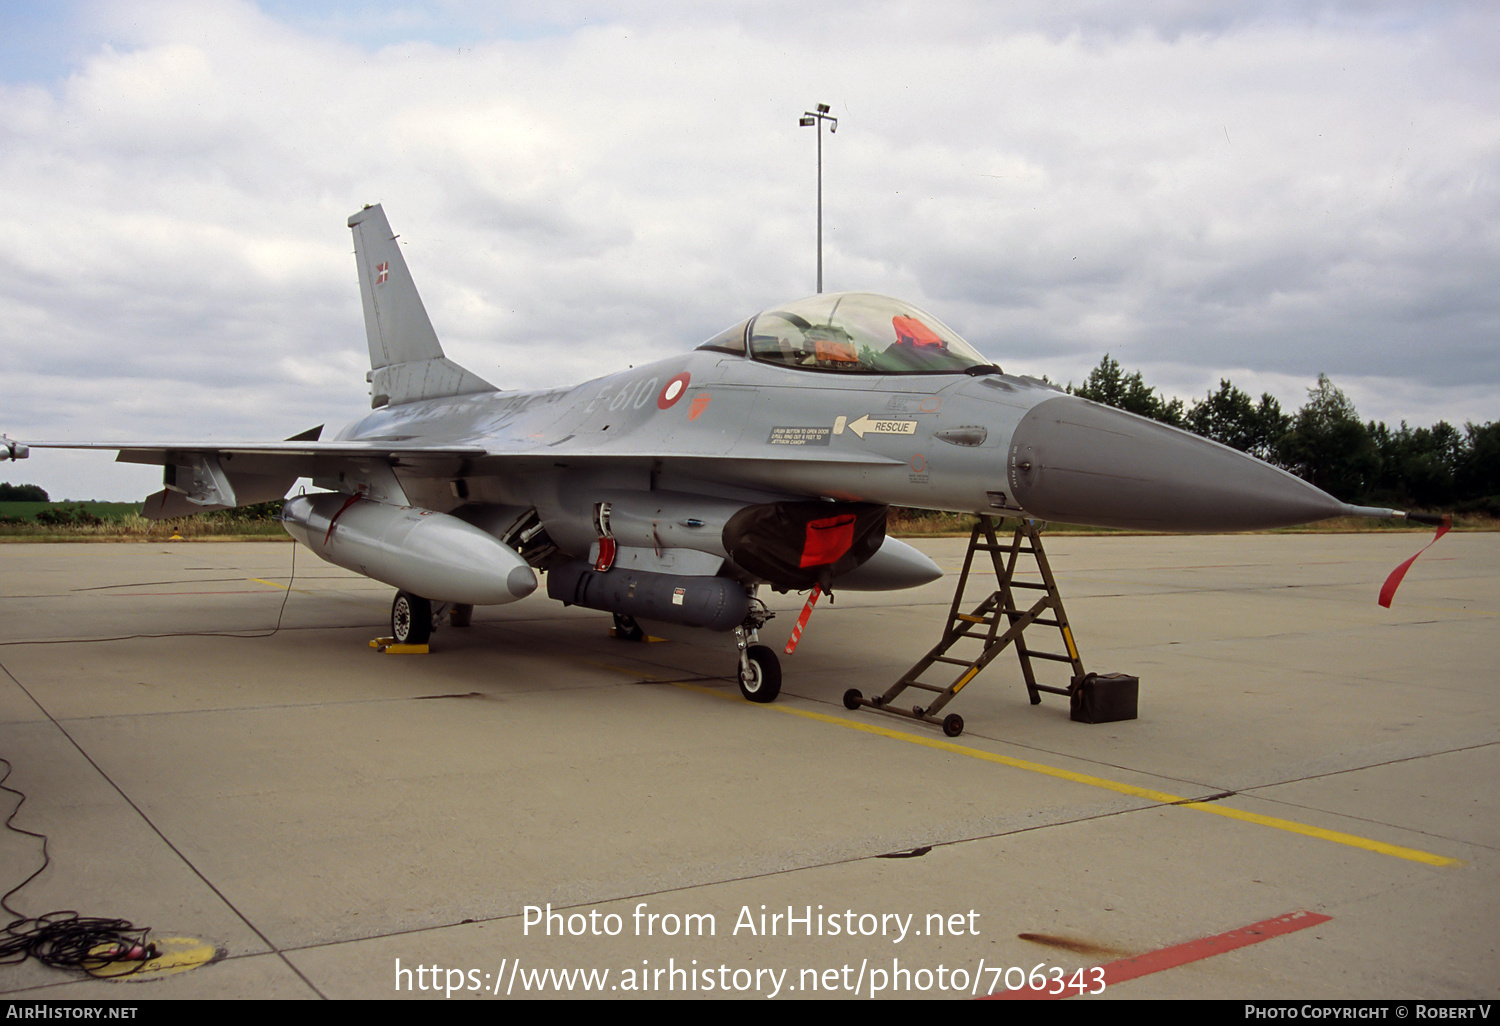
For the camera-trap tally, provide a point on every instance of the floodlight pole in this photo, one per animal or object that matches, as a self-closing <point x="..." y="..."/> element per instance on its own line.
<point x="814" y="119"/>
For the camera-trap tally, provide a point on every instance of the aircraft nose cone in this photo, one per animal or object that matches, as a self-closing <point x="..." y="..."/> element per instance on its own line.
<point x="1077" y="462"/>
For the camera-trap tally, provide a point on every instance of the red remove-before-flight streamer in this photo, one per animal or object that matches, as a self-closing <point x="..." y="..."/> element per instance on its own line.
<point x="1388" y="589"/>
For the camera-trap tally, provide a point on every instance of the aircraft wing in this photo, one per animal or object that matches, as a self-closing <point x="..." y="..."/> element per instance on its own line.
<point x="311" y="458"/>
<point x="287" y="453"/>
<point x="203" y="476"/>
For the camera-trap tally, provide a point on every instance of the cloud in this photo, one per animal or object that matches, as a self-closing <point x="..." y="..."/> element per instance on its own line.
<point x="583" y="186"/>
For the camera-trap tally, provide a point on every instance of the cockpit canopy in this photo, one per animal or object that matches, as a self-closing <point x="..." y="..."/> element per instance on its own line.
<point x="852" y="333"/>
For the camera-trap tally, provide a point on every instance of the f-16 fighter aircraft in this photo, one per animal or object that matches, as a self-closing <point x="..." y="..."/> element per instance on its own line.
<point x="672" y="492"/>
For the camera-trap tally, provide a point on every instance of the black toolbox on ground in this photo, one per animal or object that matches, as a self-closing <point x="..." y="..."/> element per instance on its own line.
<point x="1104" y="697"/>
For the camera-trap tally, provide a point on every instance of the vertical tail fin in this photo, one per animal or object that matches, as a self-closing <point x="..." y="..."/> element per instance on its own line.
<point x="406" y="361"/>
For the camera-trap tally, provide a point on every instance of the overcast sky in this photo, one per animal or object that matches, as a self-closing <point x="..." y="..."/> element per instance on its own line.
<point x="582" y="186"/>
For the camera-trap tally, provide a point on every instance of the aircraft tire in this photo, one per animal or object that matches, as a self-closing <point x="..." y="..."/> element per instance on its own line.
<point x="626" y="629"/>
<point x="411" y="619"/>
<point x="765" y="675"/>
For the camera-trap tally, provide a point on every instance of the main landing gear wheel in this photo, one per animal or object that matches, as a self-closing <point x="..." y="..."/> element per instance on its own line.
<point x="411" y="619"/>
<point x="851" y="699"/>
<point x="953" y="724"/>
<point x="626" y="629"/>
<point x="760" y="674"/>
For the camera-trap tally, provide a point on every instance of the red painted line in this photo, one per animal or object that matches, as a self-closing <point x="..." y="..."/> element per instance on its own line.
<point x="1180" y="954"/>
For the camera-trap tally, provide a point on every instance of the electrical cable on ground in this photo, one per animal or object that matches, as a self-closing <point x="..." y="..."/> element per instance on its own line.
<point x="64" y="939"/>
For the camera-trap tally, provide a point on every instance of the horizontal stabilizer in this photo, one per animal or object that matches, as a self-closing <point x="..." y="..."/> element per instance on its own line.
<point x="422" y="379"/>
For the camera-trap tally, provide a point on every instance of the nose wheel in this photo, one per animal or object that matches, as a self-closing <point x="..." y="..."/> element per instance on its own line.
<point x="760" y="674"/>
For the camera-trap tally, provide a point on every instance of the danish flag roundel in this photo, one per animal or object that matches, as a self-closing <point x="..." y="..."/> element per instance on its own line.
<point x="672" y="391"/>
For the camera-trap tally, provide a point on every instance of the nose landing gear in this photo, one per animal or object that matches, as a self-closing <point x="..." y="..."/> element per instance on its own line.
<point x="760" y="669"/>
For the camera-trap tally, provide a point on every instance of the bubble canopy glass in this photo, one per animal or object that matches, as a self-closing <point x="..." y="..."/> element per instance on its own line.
<point x="851" y="333"/>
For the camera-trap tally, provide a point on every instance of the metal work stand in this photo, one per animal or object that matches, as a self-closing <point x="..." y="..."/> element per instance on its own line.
<point x="983" y="625"/>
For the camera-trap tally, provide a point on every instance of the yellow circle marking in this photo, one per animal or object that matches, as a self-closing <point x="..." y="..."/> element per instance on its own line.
<point x="174" y="955"/>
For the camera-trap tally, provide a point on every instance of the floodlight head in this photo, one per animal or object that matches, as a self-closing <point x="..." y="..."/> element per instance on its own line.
<point x="807" y="122"/>
<point x="822" y="108"/>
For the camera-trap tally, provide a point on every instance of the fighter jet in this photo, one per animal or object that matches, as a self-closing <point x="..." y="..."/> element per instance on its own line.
<point x="673" y="492"/>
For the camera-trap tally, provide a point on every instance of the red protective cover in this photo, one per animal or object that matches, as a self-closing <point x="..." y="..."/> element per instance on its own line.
<point x="794" y="545"/>
<point x="827" y="540"/>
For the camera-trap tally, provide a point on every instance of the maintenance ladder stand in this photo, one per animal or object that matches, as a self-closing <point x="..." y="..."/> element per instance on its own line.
<point x="999" y="608"/>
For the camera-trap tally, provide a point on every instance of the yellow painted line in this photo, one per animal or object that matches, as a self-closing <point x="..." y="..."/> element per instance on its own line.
<point x="1353" y="841"/>
<point x="1119" y="787"/>
<point x="288" y="587"/>
<point x="949" y="746"/>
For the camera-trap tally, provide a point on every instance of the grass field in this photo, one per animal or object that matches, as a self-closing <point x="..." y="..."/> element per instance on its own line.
<point x="103" y="510"/>
<point x="122" y="521"/>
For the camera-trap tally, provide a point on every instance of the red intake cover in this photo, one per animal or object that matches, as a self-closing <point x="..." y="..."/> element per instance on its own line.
<point x="794" y="545"/>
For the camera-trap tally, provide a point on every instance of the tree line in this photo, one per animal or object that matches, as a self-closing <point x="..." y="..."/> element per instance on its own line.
<point x="21" y="493"/>
<point x="1326" y="443"/>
